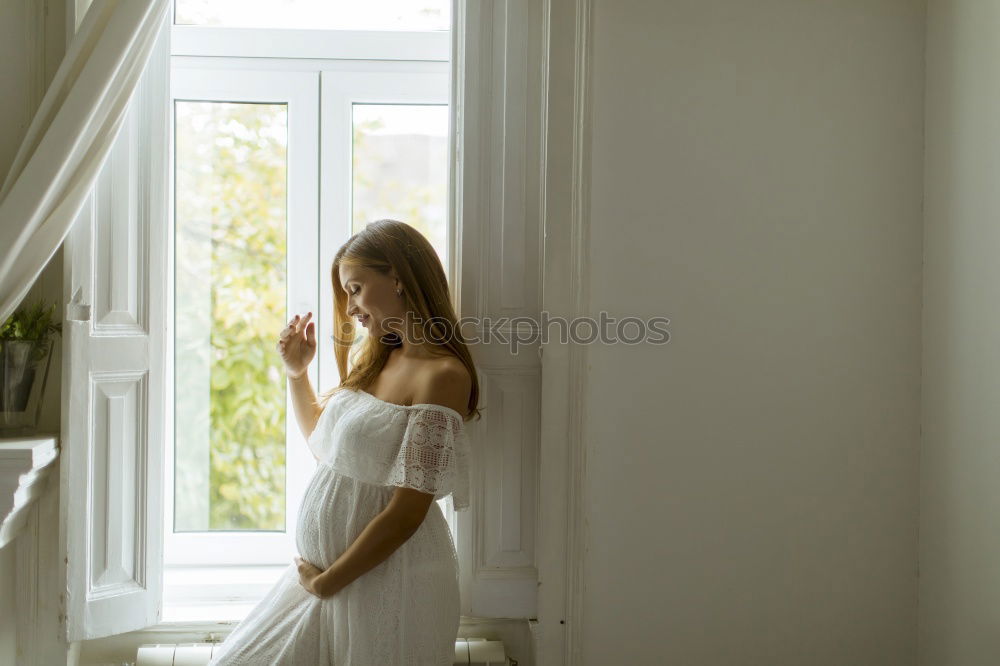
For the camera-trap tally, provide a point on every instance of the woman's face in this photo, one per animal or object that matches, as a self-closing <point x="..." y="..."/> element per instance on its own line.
<point x="372" y="298"/>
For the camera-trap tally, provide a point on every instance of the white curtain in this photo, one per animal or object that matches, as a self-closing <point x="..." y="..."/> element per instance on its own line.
<point x="70" y="137"/>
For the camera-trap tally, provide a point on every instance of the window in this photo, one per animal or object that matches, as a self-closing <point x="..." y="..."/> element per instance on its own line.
<point x="341" y="86"/>
<point x="276" y="162"/>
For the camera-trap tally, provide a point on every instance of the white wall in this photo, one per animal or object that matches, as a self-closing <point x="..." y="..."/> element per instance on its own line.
<point x="13" y="123"/>
<point x="960" y="459"/>
<point x="752" y="489"/>
<point x="15" y="85"/>
<point x="31" y="46"/>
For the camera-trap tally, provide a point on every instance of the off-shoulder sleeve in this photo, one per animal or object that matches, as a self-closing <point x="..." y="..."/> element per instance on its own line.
<point x="433" y="456"/>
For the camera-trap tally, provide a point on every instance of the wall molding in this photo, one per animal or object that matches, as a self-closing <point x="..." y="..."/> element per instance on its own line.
<point x="580" y="242"/>
<point x="566" y="233"/>
<point x="498" y="99"/>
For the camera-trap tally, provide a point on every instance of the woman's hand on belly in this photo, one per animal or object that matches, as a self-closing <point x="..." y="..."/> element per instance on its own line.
<point x="309" y="578"/>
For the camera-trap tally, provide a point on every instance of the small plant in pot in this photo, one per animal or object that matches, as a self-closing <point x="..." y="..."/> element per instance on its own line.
<point x="25" y="352"/>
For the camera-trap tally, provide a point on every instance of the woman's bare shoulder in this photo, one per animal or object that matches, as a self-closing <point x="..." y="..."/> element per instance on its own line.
<point x="444" y="381"/>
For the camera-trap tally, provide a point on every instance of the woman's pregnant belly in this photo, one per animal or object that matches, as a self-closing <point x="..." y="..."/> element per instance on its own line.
<point x="336" y="509"/>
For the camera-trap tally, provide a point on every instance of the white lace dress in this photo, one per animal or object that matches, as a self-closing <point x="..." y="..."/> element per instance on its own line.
<point x="404" y="611"/>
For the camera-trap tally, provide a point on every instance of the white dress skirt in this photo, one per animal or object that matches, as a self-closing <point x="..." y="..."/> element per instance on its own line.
<point x="404" y="611"/>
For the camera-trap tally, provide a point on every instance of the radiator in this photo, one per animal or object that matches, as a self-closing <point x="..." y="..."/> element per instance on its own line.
<point x="468" y="652"/>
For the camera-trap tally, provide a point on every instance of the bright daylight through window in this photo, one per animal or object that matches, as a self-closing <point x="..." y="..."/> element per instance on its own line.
<point x="276" y="162"/>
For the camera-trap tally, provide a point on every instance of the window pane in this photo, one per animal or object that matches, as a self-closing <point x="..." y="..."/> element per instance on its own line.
<point x="400" y="168"/>
<point x="320" y="14"/>
<point x="231" y="209"/>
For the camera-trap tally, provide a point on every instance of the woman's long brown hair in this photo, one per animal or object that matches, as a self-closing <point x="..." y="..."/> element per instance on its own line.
<point x="381" y="246"/>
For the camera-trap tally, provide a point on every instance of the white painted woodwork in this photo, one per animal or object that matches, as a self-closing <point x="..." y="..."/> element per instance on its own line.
<point x="39" y="590"/>
<point x="497" y="112"/>
<point x="564" y="294"/>
<point x="113" y="378"/>
<point x="411" y="45"/>
<point x="24" y="467"/>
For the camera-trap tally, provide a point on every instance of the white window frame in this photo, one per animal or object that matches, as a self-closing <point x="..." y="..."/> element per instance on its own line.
<point x="298" y="91"/>
<point x="413" y="45"/>
<point x="340" y="90"/>
<point x="220" y="575"/>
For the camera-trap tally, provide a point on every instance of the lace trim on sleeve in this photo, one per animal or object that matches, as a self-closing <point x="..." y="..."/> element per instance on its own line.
<point x="433" y="456"/>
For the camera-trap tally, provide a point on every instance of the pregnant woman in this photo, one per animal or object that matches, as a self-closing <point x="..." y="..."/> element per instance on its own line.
<point x="375" y="582"/>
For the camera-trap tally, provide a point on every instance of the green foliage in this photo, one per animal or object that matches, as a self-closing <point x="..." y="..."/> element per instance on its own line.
<point x="234" y="180"/>
<point x="35" y="323"/>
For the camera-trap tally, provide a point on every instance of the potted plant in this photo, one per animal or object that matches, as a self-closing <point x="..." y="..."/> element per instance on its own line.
<point x="25" y="352"/>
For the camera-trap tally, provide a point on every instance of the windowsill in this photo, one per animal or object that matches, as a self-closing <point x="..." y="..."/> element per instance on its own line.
<point x="221" y="614"/>
<point x="216" y="594"/>
<point x="125" y="646"/>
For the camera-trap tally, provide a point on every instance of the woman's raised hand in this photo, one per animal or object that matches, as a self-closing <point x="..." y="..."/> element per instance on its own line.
<point x="297" y="345"/>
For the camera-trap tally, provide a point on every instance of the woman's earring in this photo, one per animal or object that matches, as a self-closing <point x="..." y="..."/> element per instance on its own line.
<point x="399" y="292"/>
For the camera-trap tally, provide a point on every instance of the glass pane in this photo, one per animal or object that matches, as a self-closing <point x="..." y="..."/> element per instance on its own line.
<point x="231" y="210"/>
<point x="320" y="14"/>
<point x="400" y="168"/>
